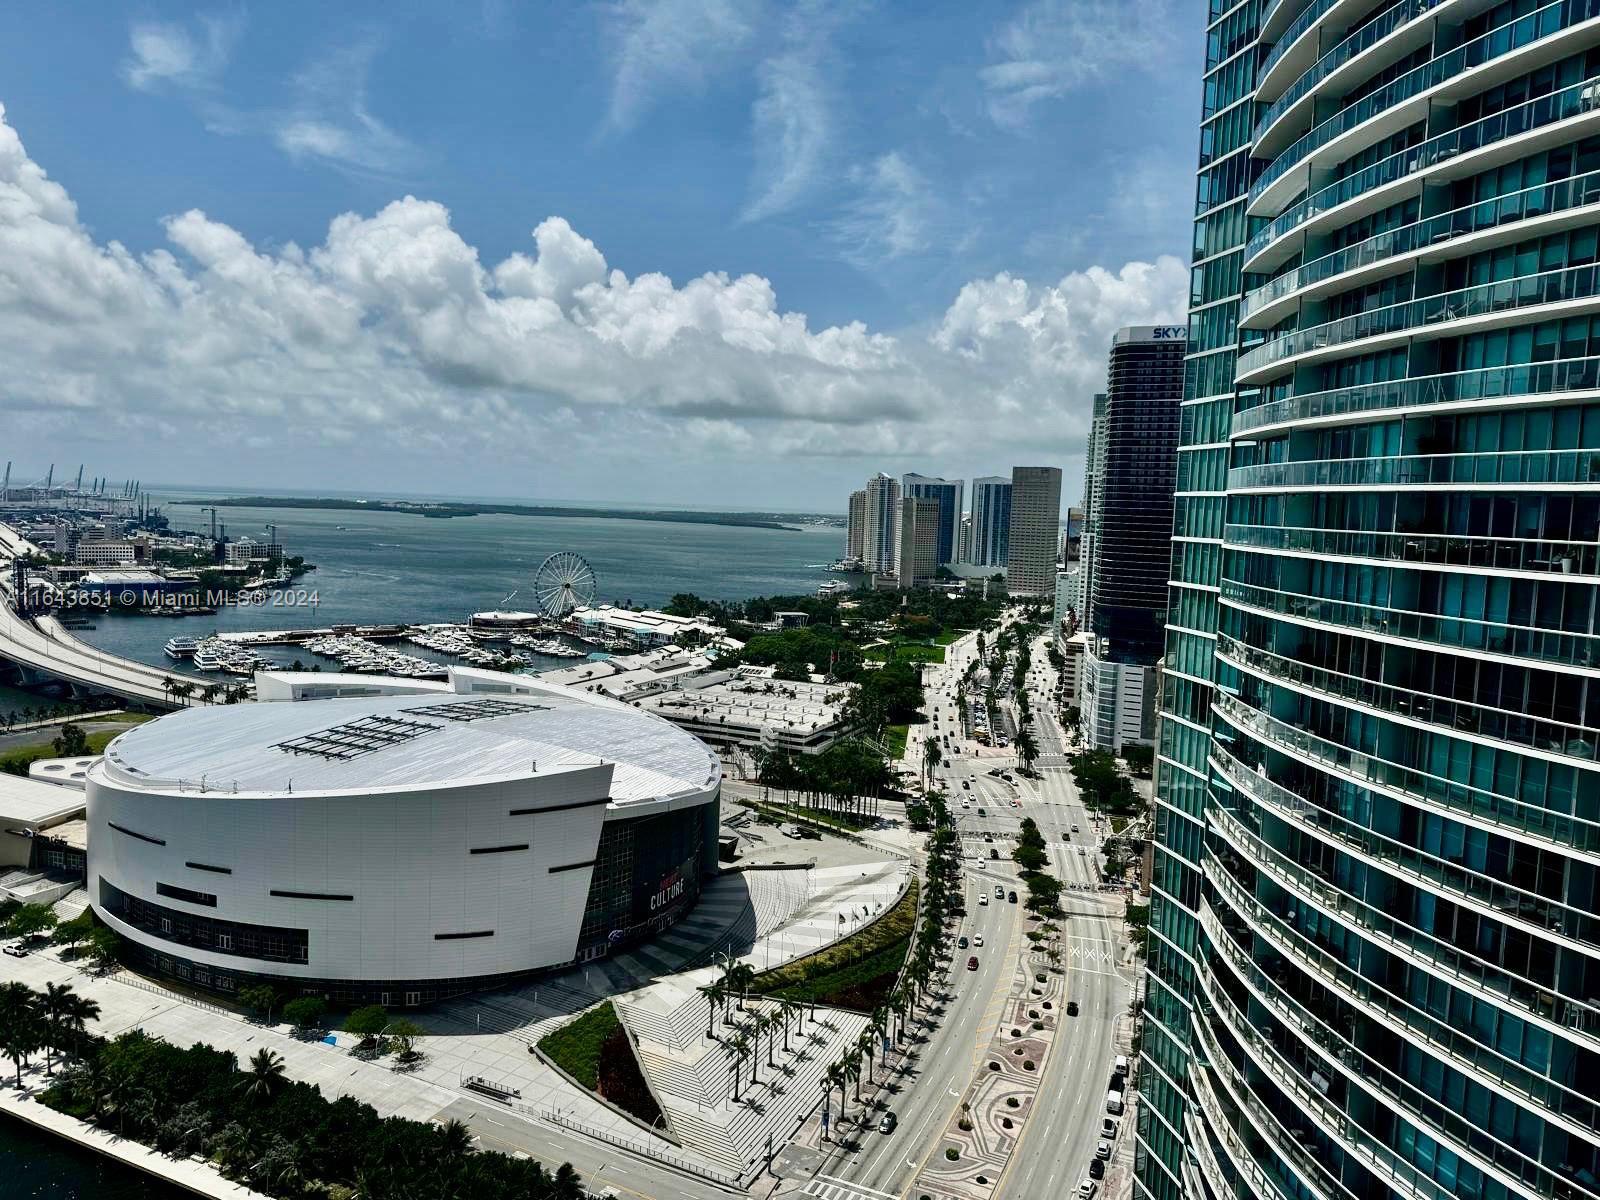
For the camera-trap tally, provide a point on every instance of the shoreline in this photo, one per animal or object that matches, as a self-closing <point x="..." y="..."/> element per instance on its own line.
<point x="197" y="1179"/>
<point x="445" y="509"/>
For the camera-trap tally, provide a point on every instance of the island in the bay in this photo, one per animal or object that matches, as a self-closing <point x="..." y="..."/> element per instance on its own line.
<point x="448" y="508"/>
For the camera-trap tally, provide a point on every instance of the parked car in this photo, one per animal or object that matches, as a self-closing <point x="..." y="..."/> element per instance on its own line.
<point x="17" y="950"/>
<point x="888" y="1123"/>
<point x="1108" y="1127"/>
<point x="1120" y="1066"/>
<point x="1097" y="1168"/>
<point x="1103" y="1150"/>
<point x="972" y="962"/>
<point x="966" y="785"/>
<point x="1086" y="1189"/>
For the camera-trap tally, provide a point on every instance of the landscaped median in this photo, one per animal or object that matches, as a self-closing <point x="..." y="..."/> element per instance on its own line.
<point x="857" y="972"/>
<point x="595" y="1052"/>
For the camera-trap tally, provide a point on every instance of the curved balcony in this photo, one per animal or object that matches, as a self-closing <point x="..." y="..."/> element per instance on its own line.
<point x="1357" y="42"/>
<point x="1451" y="716"/>
<point x="1274" y="1057"/>
<point x="1392" y="244"/>
<point x="1526" y="381"/>
<point x="1434" y="316"/>
<point x="1556" y="831"/>
<point x="1535" y="914"/>
<point x="1574" y="101"/>
<point x="1332" y="1024"/>
<point x="1506" y="39"/>
<point x="1406" y="941"/>
<point x="1315" y="1176"/>
<point x="1497" y="554"/>
<point x="1507" y="469"/>
<point x="1295" y="1182"/>
<point x="1574" y="650"/>
<point x="1289" y="40"/>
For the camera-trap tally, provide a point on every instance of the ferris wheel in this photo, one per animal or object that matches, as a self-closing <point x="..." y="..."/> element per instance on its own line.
<point x="565" y="581"/>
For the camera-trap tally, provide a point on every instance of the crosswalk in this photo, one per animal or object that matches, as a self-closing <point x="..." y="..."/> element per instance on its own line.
<point x="831" y="1187"/>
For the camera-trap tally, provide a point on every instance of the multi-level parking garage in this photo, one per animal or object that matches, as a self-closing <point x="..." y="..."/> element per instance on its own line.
<point x="1375" y="955"/>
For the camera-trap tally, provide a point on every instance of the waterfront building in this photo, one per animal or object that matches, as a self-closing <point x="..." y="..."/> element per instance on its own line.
<point x="950" y="495"/>
<point x="856" y="526"/>
<point x="917" y="554"/>
<point x="398" y="848"/>
<point x="990" y="538"/>
<point x="1373" y="952"/>
<point x="640" y="630"/>
<point x="880" y="532"/>
<point x="1035" y="531"/>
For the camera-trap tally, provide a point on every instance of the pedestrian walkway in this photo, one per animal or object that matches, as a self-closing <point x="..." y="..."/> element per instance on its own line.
<point x="201" y="1178"/>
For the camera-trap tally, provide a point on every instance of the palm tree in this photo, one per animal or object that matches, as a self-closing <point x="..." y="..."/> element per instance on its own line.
<point x="852" y="1074"/>
<point x="455" y="1140"/>
<point x="736" y="1049"/>
<point x="740" y="976"/>
<point x="120" y="1094"/>
<point x="21" y="1025"/>
<point x="65" y="1015"/>
<point x="265" y="1076"/>
<point x="932" y="756"/>
<point x="864" y="1049"/>
<point x="714" y="993"/>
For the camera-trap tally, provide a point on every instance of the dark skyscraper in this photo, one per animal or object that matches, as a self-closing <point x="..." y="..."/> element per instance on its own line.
<point x="1137" y="466"/>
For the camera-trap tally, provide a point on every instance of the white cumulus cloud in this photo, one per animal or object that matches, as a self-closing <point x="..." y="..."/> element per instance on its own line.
<point x="391" y="332"/>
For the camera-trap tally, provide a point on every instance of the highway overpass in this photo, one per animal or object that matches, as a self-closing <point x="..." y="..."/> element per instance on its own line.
<point x="43" y="646"/>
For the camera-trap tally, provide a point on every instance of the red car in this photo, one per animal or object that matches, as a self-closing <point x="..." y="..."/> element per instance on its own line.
<point x="972" y="963"/>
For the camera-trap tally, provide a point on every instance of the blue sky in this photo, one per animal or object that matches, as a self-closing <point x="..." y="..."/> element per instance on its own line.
<point x="849" y="236"/>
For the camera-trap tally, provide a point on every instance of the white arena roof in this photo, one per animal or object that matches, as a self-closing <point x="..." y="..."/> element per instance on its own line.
<point x="366" y="743"/>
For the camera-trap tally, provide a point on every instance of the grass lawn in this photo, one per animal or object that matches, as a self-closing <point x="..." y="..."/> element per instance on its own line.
<point x="575" y="1047"/>
<point x="951" y="635"/>
<point x="905" y="652"/>
<point x="894" y="740"/>
<point x="859" y="958"/>
<point x="595" y="1050"/>
<point x="15" y="761"/>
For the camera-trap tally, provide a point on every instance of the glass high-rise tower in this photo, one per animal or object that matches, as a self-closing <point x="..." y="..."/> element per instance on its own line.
<point x="1375" y="930"/>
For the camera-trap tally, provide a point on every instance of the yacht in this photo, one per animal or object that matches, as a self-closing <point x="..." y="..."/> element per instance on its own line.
<point x="181" y="648"/>
<point x="207" y="659"/>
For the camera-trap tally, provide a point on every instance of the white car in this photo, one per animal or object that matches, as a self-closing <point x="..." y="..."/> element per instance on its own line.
<point x="1103" y="1150"/>
<point x="1086" y="1190"/>
<point x="977" y="939"/>
<point x="984" y="900"/>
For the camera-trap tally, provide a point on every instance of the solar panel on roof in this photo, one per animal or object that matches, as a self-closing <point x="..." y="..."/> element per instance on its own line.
<point x="355" y="738"/>
<point x="477" y="710"/>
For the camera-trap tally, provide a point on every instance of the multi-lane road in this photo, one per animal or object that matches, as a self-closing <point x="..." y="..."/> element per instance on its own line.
<point x="1059" y="1141"/>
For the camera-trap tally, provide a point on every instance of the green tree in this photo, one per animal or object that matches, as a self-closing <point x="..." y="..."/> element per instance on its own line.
<point x="305" y="1013"/>
<point x="31" y="921"/>
<point x="260" y="999"/>
<point x="71" y="742"/>
<point x="73" y="933"/>
<point x="403" y="1035"/>
<point x="103" y="946"/>
<point x="368" y="1023"/>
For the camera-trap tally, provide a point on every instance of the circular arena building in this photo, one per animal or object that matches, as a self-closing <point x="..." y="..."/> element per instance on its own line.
<point x="398" y="848"/>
